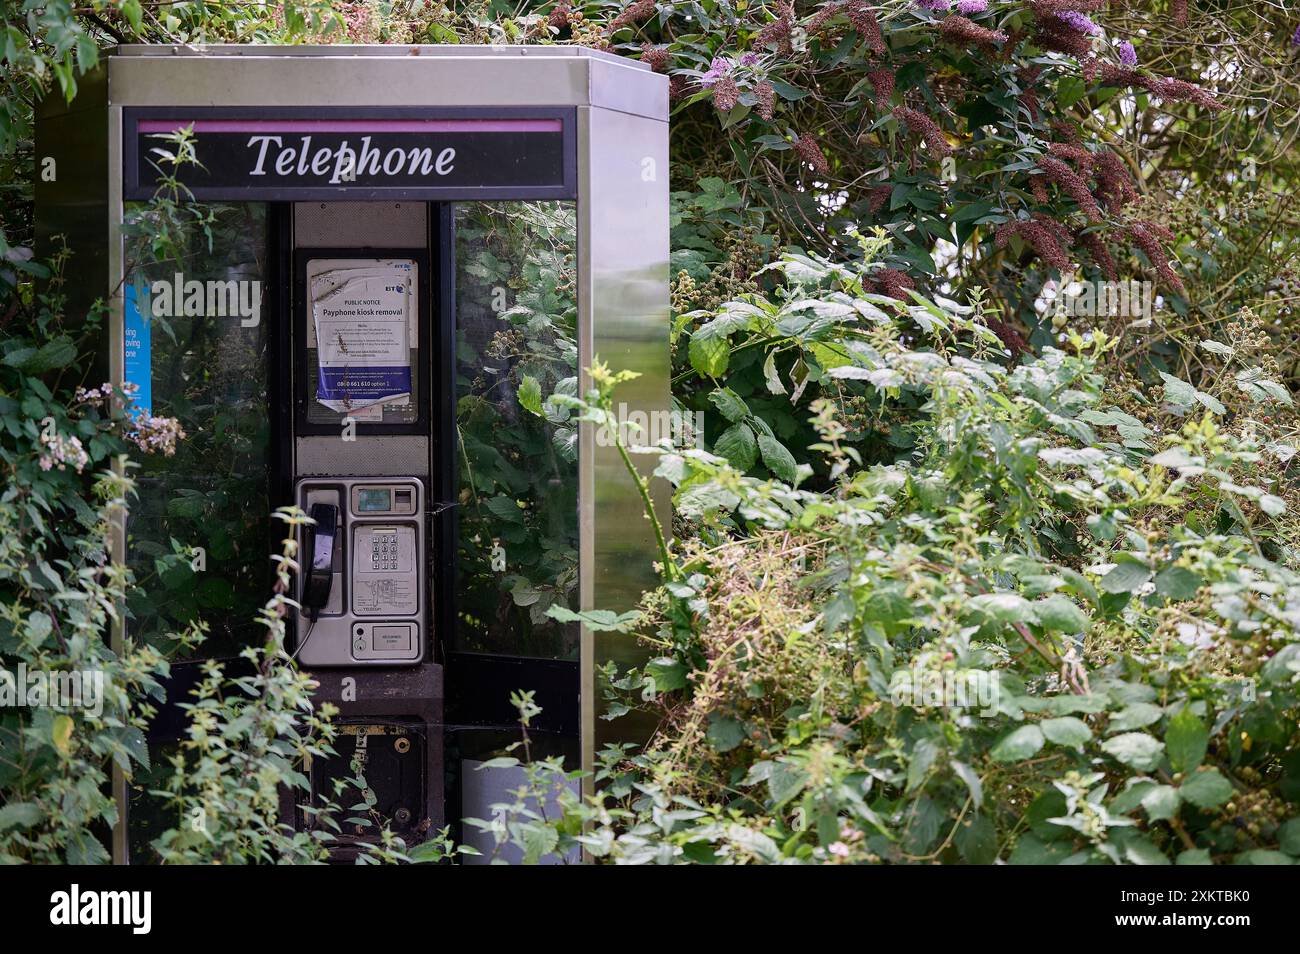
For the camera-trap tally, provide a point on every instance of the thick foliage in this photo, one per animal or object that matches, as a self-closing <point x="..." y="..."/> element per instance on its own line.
<point x="1049" y="631"/>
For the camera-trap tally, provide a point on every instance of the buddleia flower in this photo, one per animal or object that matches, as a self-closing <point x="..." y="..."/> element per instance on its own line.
<point x="726" y="94"/>
<point x="811" y="153"/>
<point x="882" y="81"/>
<point x="922" y="125"/>
<point x="656" y="57"/>
<point x="766" y="97"/>
<point x="961" y="31"/>
<point x="865" y="23"/>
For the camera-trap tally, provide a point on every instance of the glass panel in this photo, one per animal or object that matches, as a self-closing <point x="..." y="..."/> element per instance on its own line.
<point x="516" y="344"/>
<point x="197" y="349"/>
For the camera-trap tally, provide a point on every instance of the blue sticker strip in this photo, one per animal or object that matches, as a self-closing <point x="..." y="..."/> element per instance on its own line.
<point x="137" y="348"/>
<point x="363" y="385"/>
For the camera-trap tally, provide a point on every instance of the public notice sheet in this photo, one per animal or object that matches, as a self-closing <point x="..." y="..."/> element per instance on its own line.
<point x="362" y="317"/>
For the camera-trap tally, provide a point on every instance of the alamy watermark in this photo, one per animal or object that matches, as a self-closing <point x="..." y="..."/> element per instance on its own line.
<point x="1133" y="300"/>
<point x="637" y="428"/>
<point x="36" y="689"/>
<point x="948" y="689"/>
<point x="181" y="298"/>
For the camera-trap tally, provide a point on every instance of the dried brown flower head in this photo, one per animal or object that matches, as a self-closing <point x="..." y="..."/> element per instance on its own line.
<point x="810" y="152"/>
<point x="635" y="12"/>
<point x="1147" y="236"/>
<point x="1114" y="183"/>
<point x="878" y="196"/>
<point x="658" y="58"/>
<point x="1098" y="252"/>
<point x="823" y="16"/>
<point x="960" y="31"/>
<point x="766" y="97"/>
<point x="777" y="33"/>
<point x="864" y="21"/>
<point x="726" y="94"/>
<point x="1071" y="183"/>
<point x="922" y="125"/>
<point x="1045" y="236"/>
<point x="892" y="282"/>
<point x="882" y="81"/>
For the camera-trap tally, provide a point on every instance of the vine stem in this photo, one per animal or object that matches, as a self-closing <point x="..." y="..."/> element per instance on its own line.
<point x="643" y="488"/>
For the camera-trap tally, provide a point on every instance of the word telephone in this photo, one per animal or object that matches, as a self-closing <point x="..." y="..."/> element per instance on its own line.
<point x="363" y="586"/>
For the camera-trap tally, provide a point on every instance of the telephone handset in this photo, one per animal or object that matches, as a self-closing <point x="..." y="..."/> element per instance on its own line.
<point x="318" y="542"/>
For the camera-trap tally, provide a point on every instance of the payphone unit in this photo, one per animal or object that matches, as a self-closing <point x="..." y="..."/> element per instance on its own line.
<point x="364" y="569"/>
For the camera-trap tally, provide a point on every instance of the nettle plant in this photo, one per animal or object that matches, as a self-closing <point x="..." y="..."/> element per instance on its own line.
<point x="1048" y="631"/>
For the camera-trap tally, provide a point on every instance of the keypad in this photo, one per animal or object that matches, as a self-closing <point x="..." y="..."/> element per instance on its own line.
<point x="383" y="551"/>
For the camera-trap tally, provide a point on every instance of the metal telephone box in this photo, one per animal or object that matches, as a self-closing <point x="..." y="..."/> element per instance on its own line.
<point x="397" y="254"/>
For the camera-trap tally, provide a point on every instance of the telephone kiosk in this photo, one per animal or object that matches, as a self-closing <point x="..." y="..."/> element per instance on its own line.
<point x="340" y="347"/>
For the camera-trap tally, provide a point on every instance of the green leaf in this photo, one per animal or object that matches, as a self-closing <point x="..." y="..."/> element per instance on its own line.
<point x="972" y="780"/>
<point x="1136" y="749"/>
<point x="1067" y="731"/>
<point x="737" y="444"/>
<point x="1060" y="613"/>
<point x="709" y="355"/>
<point x="1206" y="789"/>
<point x="1288" y="837"/>
<point x="1125" y="577"/>
<point x="1135" y="716"/>
<point x="1177" y="391"/>
<point x="1019" y="745"/>
<point x="1141" y="851"/>
<point x="785" y="782"/>
<point x="1003" y="607"/>
<point x="668" y="673"/>
<point x="977" y="841"/>
<point x="595" y="620"/>
<point x="530" y="395"/>
<point x="770" y="375"/>
<point x="778" y="459"/>
<point x="1186" y="740"/>
<point x="724" y="733"/>
<point x="729" y="404"/>
<point x="1177" y="583"/>
<point x="1262" y="856"/>
<point x="61" y="733"/>
<point x="539" y="840"/>
<point x="1161" y="802"/>
<point x="20" y="814"/>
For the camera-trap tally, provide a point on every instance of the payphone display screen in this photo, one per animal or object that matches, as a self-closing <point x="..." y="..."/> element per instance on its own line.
<point x="374" y="501"/>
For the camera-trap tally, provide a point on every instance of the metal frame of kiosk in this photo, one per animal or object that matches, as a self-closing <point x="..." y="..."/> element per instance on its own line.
<point x="533" y="123"/>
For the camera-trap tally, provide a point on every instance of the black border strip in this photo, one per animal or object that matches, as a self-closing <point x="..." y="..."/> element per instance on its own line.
<point x="133" y="190"/>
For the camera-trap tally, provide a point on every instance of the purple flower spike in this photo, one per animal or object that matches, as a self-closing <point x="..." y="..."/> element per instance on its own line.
<point x="937" y="6"/>
<point x="1295" y="37"/>
<point x="1077" y="21"/>
<point x="1127" y="55"/>
<point x="719" y="68"/>
<point x="967" y="7"/>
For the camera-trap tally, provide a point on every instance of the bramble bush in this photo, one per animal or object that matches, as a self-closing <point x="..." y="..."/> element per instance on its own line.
<point x="1115" y="591"/>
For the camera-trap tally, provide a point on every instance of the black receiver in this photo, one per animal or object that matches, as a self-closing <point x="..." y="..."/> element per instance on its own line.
<point x="318" y="541"/>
